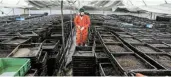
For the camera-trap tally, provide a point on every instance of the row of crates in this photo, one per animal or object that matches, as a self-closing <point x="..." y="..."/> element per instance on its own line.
<point x="84" y="62"/>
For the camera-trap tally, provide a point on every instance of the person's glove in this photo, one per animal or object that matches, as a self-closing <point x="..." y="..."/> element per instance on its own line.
<point x="79" y="27"/>
<point x="82" y="28"/>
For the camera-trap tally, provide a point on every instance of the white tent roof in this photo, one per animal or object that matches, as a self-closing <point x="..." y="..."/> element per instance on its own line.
<point x="158" y="6"/>
<point x="163" y="8"/>
<point x="14" y="4"/>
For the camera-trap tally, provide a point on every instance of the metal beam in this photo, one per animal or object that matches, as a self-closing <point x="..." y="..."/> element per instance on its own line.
<point x="165" y="1"/>
<point x="144" y="2"/>
<point x="62" y="25"/>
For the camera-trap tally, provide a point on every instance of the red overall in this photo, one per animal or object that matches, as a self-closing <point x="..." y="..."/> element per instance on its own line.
<point x="81" y="35"/>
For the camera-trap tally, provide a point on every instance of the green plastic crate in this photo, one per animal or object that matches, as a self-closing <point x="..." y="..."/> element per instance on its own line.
<point x="14" y="66"/>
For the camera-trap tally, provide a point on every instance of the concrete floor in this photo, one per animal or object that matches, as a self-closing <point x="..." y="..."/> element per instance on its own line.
<point x="69" y="57"/>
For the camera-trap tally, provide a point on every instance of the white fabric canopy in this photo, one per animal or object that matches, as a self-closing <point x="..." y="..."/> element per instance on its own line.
<point x="14" y="4"/>
<point x="157" y="6"/>
<point x="163" y="8"/>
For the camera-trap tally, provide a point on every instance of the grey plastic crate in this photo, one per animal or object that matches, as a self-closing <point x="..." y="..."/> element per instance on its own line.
<point x="162" y="59"/>
<point x="107" y="69"/>
<point x="145" y="48"/>
<point x="151" y="73"/>
<point x="128" y="62"/>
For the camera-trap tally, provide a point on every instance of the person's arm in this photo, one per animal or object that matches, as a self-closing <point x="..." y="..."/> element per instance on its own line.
<point x="88" y="21"/>
<point x="76" y="21"/>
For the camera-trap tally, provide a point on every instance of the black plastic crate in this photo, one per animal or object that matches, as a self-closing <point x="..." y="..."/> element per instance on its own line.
<point x="84" y="69"/>
<point x="123" y="34"/>
<point x="107" y="69"/>
<point x="27" y="34"/>
<point x="32" y="72"/>
<point x="83" y="74"/>
<point x="55" y="72"/>
<point x="16" y="41"/>
<point x="161" y="59"/>
<point x="100" y="54"/>
<point x="33" y="52"/>
<point x="84" y="62"/>
<point x="151" y="73"/>
<point x="4" y="53"/>
<point x="83" y="48"/>
<point x="56" y="34"/>
<point x="99" y="47"/>
<point x="167" y="41"/>
<point x="43" y="71"/>
<point x="83" y="52"/>
<point x="167" y="50"/>
<point x="42" y="60"/>
<point x="110" y="39"/>
<point x="50" y="45"/>
<point x="117" y="48"/>
<point x="130" y="40"/>
<point x="102" y="57"/>
<point x="52" y="62"/>
<point x="3" y="33"/>
<point x="160" y="46"/>
<point x="34" y="37"/>
<point x="149" y="40"/>
<point x="145" y="48"/>
<point x="127" y="62"/>
<point x="5" y="37"/>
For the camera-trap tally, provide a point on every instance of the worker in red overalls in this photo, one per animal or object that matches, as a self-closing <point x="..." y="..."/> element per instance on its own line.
<point x="82" y="23"/>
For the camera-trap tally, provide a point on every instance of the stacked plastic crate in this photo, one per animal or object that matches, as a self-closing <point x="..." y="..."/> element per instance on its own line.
<point x="84" y="62"/>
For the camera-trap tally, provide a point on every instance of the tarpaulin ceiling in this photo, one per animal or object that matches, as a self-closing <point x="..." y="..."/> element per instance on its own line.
<point x="158" y="6"/>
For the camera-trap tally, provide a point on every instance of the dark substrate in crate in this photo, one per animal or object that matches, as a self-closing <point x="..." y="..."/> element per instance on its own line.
<point x="117" y="48"/>
<point x="162" y="59"/>
<point x="110" y="39"/>
<point x="131" y="40"/>
<point x="109" y="70"/>
<point x="131" y="62"/>
<point x="145" y="48"/>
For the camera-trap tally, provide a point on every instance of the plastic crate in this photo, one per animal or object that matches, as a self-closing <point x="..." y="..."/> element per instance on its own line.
<point x="84" y="62"/>
<point x="131" y="40"/>
<point x="34" y="54"/>
<point x="145" y="48"/>
<point x="110" y="39"/>
<point x="28" y="34"/>
<point x="16" y="41"/>
<point x="151" y="73"/>
<point x="42" y="61"/>
<point x="52" y="62"/>
<point x="32" y="72"/>
<point x="107" y="69"/>
<point x="117" y="48"/>
<point x="50" y="45"/>
<point x="34" y="50"/>
<point x="160" y="59"/>
<point x="167" y="50"/>
<point x="101" y="57"/>
<point x="133" y="61"/>
<point x="43" y="72"/>
<point x="123" y="34"/>
<point x="4" y="53"/>
<point x="14" y="66"/>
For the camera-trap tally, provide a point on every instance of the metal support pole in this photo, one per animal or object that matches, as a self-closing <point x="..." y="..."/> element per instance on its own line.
<point x="144" y="2"/>
<point x="151" y="16"/>
<point x="63" y="43"/>
<point x="29" y="12"/>
<point x="71" y="23"/>
<point x="165" y="1"/>
<point x="13" y="12"/>
<point x="50" y="10"/>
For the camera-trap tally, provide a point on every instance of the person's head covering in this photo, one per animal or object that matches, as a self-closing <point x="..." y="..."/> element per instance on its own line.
<point x="81" y="10"/>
